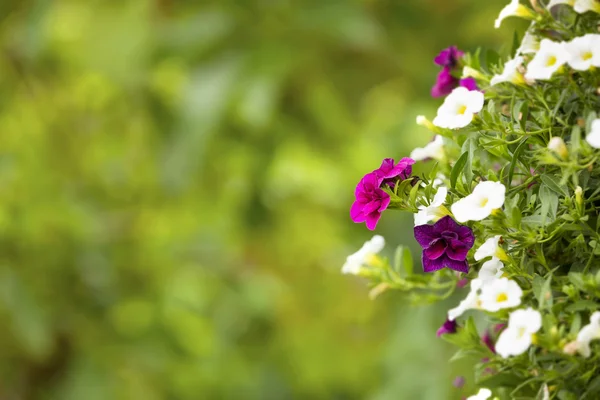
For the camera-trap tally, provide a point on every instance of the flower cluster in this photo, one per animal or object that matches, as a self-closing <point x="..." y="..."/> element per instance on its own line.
<point x="515" y="216"/>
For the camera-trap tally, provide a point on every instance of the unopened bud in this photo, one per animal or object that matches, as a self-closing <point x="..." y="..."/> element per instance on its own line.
<point x="557" y="145"/>
<point x="571" y="348"/>
<point x="469" y="72"/>
<point x="423" y="121"/>
<point x="579" y="196"/>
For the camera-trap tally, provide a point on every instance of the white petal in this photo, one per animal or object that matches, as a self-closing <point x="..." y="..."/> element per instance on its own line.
<point x="491" y="270"/>
<point x="510" y="343"/>
<point x="488" y="248"/>
<point x="440" y="197"/>
<point x="593" y="137"/>
<point x="483" y="394"/>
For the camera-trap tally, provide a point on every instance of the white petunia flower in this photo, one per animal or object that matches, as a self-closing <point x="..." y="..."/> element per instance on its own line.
<point x="549" y="58"/>
<point x="434" y="149"/>
<point x="593" y="137"/>
<point x="458" y="108"/>
<point x="500" y="293"/>
<point x="584" y="52"/>
<point x="483" y="394"/>
<point x="510" y="73"/>
<point x="582" y="6"/>
<point x="553" y="3"/>
<point x="486" y="197"/>
<point x="557" y="145"/>
<point x="433" y="211"/>
<point x="491" y="270"/>
<point x="529" y="44"/>
<point x="470" y="302"/>
<point x="517" y="336"/>
<point x="490" y="248"/>
<point x="588" y="333"/>
<point x="355" y="262"/>
<point x="513" y="9"/>
<point x="439" y="180"/>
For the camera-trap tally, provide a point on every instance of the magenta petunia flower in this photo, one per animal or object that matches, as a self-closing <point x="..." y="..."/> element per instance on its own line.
<point x="389" y="171"/>
<point x="468" y="83"/>
<point x="445" y="83"/>
<point x="445" y="244"/>
<point x="487" y="340"/>
<point x="370" y="201"/>
<point x="447" y="327"/>
<point x="448" y="57"/>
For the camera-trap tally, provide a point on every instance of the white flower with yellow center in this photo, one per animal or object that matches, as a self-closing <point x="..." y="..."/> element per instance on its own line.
<point x="472" y="301"/>
<point x="490" y="248"/>
<point x="459" y="108"/>
<point x="549" y="58"/>
<point x="582" y="6"/>
<point x="518" y="335"/>
<point x="510" y="73"/>
<point x="529" y="44"/>
<point x="584" y="52"/>
<point x="433" y="211"/>
<point x="365" y="256"/>
<point x="491" y="270"/>
<point x="483" y="394"/>
<point x="500" y="293"/>
<point x="486" y="197"/>
<point x="588" y="333"/>
<point x="514" y="9"/>
<point x="434" y="149"/>
<point x="593" y="136"/>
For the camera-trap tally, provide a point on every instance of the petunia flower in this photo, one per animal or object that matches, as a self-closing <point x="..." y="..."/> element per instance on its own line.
<point x="517" y="337"/>
<point x="445" y="244"/>
<point x="499" y="294"/>
<point x="388" y="171"/>
<point x="433" y="211"/>
<point x="483" y="394"/>
<point x="364" y="256"/>
<point x="444" y="83"/>
<point x="588" y="333"/>
<point x="491" y="270"/>
<point x="582" y="6"/>
<point x="486" y="197"/>
<point x="459" y="108"/>
<point x="514" y="9"/>
<point x="529" y="44"/>
<point x="511" y="72"/>
<point x="584" y="52"/>
<point x="370" y="201"/>
<point x="468" y="83"/>
<point x="447" y="327"/>
<point x="472" y="300"/>
<point x="557" y="145"/>
<point x="549" y="58"/>
<point x="490" y="248"/>
<point x="593" y="136"/>
<point x="433" y="149"/>
<point x="448" y="57"/>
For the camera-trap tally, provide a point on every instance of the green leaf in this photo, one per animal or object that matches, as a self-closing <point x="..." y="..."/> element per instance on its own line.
<point x="553" y="184"/>
<point x="458" y="167"/>
<point x="542" y="291"/>
<point x="515" y="158"/>
<point x="403" y="262"/>
<point x="469" y="146"/>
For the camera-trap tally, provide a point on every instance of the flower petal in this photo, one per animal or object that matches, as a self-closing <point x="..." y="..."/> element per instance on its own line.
<point x="424" y="234"/>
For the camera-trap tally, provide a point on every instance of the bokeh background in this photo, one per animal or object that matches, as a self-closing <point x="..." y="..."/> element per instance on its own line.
<point x="175" y="181"/>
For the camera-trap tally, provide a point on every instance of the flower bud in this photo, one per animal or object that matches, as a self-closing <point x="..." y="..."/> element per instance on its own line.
<point x="579" y="197"/>
<point x="469" y="72"/>
<point x="557" y="145"/>
<point x="423" y="121"/>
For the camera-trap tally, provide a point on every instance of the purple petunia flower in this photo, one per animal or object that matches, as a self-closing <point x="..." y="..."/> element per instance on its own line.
<point x="448" y="57"/>
<point x="370" y="201"/>
<point x="390" y="171"/>
<point x="468" y="83"/>
<point x="445" y="244"/>
<point x="444" y="84"/>
<point x="487" y="340"/>
<point x="447" y="327"/>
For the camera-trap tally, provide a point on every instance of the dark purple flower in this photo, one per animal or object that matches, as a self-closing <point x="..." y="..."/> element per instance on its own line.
<point x="389" y="171"/>
<point x="459" y="382"/>
<point x="468" y="83"/>
<point x="487" y="340"/>
<point x="370" y="201"/>
<point x="445" y="244"/>
<point x="447" y="327"/>
<point x="445" y="83"/>
<point x="448" y="57"/>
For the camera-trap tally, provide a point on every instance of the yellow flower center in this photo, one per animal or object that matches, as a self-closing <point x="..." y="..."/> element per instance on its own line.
<point x="586" y="56"/>
<point x="501" y="297"/>
<point x="550" y="61"/>
<point x="462" y="110"/>
<point x="483" y="202"/>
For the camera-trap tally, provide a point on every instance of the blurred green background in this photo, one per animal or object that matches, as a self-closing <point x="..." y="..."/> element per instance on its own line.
<point x="175" y="184"/>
